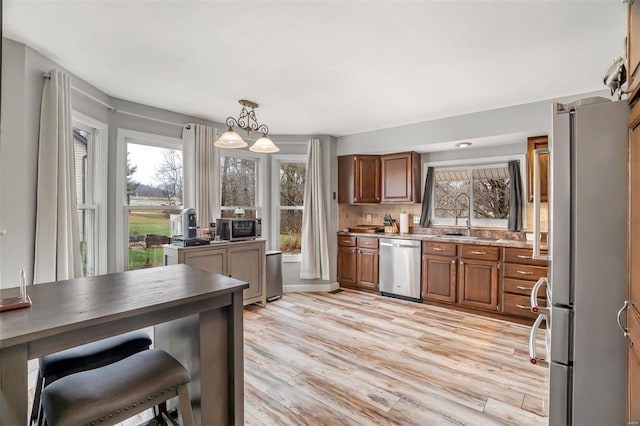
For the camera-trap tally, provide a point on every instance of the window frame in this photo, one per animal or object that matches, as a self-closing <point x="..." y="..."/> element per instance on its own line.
<point x="262" y="210"/>
<point x="125" y="136"/>
<point x="276" y="160"/>
<point x="97" y="185"/>
<point x="474" y="164"/>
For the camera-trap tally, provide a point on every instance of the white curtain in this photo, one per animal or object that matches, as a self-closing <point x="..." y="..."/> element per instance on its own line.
<point x="315" y="250"/>
<point x="201" y="172"/>
<point x="57" y="241"/>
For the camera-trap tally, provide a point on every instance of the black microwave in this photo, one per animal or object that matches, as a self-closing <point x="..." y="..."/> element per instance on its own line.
<point x="238" y="229"/>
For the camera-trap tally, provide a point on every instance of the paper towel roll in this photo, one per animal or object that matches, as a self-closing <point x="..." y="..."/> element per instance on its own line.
<point x="404" y="223"/>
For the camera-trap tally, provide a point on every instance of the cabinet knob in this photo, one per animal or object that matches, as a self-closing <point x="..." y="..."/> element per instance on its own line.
<point x="453" y="261"/>
<point x="461" y="262"/>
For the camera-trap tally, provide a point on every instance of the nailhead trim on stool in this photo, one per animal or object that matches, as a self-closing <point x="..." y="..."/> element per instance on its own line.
<point x="108" y="395"/>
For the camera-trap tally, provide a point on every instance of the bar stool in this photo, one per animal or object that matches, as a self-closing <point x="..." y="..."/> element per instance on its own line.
<point x="111" y="394"/>
<point x="85" y="357"/>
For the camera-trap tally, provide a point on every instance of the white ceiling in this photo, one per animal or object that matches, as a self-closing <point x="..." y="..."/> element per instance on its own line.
<point x="327" y="67"/>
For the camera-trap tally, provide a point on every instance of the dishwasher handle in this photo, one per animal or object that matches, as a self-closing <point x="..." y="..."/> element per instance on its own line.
<point x="400" y="245"/>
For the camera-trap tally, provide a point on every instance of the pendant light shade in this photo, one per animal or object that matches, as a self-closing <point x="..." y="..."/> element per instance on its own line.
<point x="230" y="139"/>
<point x="264" y="145"/>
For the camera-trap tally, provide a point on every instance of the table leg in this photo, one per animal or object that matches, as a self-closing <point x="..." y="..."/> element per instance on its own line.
<point x="236" y="359"/>
<point x="13" y="385"/>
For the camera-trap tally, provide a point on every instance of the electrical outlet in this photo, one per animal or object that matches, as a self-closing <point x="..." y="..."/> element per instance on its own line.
<point x="416" y="220"/>
<point x="368" y="218"/>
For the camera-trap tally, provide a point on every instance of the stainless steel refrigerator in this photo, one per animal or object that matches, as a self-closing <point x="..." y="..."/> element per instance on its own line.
<point x="588" y="214"/>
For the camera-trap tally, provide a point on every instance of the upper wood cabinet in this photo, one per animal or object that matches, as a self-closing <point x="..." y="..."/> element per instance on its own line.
<point x="401" y="177"/>
<point x="359" y="179"/>
<point x="533" y="143"/>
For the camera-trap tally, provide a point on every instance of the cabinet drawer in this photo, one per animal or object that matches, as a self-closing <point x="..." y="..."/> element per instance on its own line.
<point x="439" y="249"/>
<point x="479" y="252"/>
<point x="365" y="242"/>
<point x="515" y="255"/>
<point x="346" y="241"/>
<point x="523" y="287"/>
<point x="514" y="304"/>
<point x="524" y="272"/>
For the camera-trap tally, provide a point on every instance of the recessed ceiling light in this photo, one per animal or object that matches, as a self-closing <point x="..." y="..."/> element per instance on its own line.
<point x="463" y="144"/>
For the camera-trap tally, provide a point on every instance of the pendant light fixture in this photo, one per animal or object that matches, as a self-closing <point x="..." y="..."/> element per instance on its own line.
<point x="248" y="122"/>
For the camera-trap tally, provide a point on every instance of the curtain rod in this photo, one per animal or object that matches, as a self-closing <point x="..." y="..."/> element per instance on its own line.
<point x="112" y="108"/>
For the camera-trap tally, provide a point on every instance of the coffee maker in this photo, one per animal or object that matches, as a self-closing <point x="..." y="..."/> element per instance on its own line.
<point x="185" y="224"/>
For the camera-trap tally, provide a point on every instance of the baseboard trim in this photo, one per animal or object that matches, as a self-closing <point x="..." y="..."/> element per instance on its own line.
<point x="310" y="288"/>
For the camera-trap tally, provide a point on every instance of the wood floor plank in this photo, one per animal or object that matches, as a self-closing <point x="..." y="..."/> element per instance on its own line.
<point x="354" y="358"/>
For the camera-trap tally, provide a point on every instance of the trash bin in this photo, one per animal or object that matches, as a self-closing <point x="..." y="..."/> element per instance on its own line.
<point x="274" y="275"/>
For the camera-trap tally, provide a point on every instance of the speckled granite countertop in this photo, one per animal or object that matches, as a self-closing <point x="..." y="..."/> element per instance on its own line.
<point x="482" y="241"/>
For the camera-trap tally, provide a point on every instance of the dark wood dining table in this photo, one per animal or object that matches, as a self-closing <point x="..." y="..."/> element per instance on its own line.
<point x="69" y="313"/>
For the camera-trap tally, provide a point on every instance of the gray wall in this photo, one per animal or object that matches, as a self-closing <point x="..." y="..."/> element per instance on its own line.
<point x="527" y="119"/>
<point x="22" y="83"/>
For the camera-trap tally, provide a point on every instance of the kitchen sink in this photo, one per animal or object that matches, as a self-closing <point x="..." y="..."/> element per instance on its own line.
<point x="465" y="237"/>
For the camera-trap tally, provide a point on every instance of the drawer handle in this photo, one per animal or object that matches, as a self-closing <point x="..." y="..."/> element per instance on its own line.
<point x="524" y="273"/>
<point x="522" y="256"/>
<point x="479" y="252"/>
<point x="438" y="249"/>
<point x="524" y="288"/>
<point x="528" y="308"/>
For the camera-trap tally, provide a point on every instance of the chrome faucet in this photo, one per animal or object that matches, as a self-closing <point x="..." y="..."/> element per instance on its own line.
<point x="455" y="211"/>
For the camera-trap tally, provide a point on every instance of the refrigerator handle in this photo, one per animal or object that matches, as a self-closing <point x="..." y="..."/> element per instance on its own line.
<point x="625" y="332"/>
<point x="537" y="153"/>
<point x="535" y="308"/>
<point x="532" y="339"/>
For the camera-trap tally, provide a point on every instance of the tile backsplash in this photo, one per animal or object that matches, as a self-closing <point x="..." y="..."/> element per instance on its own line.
<point x="349" y="215"/>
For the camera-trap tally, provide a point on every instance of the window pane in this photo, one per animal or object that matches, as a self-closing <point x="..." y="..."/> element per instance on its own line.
<point x="448" y="185"/>
<point x="292" y="177"/>
<point x="290" y="231"/>
<point x="491" y="193"/>
<point x="238" y="181"/>
<point x="80" y="150"/>
<point x="148" y="230"/>
<point x="154" y="176"/>
<point x="86" y="220"/>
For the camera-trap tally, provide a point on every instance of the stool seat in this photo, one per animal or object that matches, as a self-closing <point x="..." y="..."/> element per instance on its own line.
<point x="93" y="355"/>
<point x="110" y="394"/>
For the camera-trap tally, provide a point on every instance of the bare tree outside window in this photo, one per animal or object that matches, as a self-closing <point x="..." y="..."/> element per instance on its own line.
<point x="238" y="183"/>
<point x="292" y="178"/>
<point x="169" y="176"/>
<point x="488" y="188"/>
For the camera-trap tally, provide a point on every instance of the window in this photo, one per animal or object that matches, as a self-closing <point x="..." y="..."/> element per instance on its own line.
<point x="151" y="187"/>
<point x="89" y="146"/>
<point x="239" y="184"/>
<point x="290" y="203"/>
<point x="485" y="188"/>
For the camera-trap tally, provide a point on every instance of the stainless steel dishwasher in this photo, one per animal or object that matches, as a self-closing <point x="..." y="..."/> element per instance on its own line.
<point x="400" y="268"/>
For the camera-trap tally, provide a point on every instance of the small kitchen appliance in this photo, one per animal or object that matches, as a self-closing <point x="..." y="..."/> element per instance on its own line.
<point x="238" y="229"/>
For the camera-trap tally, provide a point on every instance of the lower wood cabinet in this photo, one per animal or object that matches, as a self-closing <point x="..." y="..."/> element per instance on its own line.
<point x="358" y="262"/>
<point x="439" y="278"/>
<point x="478" y="284"/>
<point x="242" y="260"/>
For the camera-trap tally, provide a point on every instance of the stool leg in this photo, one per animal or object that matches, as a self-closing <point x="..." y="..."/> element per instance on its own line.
<point x="185" y="406"/>
<point x="35" y="409"/>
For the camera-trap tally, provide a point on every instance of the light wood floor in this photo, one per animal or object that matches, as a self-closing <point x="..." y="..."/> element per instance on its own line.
<point x="353" y="358"/>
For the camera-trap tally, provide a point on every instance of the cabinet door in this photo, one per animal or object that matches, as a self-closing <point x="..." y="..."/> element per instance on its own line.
<point x="439" y="278"/>
<point x="400" y="178"/>
<point x="478" y="284"/>
<point x="367" y="268"/>
<point x="209" y="260"/>
<point x="244" y="263"/>
<point x="367" y="179"/>
<point x="347" y="265"/>
<point x="633" y="322"/>
<point x="533" y="143"/>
